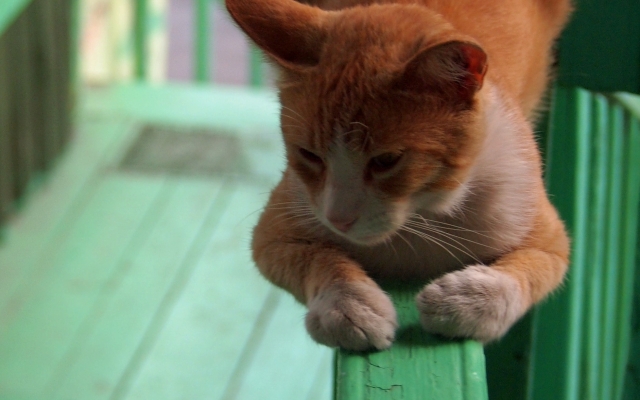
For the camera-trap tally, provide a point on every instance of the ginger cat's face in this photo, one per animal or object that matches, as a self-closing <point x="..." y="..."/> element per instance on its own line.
<point x="376" y="126"/>
<point x="365" y="170"/>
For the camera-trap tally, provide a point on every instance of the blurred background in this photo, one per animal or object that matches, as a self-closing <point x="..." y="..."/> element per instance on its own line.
<point x="108" y="46"/>
<point x="139" y="141"/>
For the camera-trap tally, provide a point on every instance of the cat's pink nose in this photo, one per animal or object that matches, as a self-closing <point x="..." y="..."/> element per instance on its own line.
<point x="342" y="225"/>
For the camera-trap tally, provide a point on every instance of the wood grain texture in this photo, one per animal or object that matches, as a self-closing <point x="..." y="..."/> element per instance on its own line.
<point x="125" y="284"/>
<point x="581" y="339"/>
<point x="417" y="366"/>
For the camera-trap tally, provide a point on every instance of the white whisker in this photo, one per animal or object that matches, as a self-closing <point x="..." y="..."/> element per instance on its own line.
<point x="462" y="247"/>
<point x="399" y="234"/>
<point x="438" y="230"/>
<point x="424" y="236"/>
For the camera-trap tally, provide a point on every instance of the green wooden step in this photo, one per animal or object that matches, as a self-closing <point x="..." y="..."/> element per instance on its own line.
<point x="129" y="283"/>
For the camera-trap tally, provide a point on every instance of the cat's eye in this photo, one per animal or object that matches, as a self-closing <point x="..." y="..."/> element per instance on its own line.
<point x="310" y="156"/>
<point x="384" y="162"/>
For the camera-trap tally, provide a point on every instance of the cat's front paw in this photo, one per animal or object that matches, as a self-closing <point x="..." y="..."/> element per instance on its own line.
<point x="352" y="316"/>
<point x="477" y="302"/>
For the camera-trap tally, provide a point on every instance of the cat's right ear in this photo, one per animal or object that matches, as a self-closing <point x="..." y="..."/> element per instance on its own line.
<point x="455" y="70"/>
<point x="290" y="32"/>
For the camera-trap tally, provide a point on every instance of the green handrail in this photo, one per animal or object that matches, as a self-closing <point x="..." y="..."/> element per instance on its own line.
<point x="581" y="338"/>
<point x="202" y="60"/>
<point x="418" y="365"/>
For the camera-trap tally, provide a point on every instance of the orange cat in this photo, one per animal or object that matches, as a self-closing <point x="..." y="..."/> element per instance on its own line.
<point x="407" y="127"/>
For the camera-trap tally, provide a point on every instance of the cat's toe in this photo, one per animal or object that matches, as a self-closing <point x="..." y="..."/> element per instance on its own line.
<point x="478" y="302"/>
<point x="352" y="316"/>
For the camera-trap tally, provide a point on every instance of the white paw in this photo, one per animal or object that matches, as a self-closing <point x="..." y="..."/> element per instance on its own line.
<point x="477" y="302"/>
<point x="352" y="316"/>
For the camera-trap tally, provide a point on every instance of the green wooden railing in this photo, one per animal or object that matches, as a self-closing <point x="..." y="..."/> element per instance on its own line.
<point x="36" y="96"/>
<point x="203" y="55"/>
<point x="582" y="336"/>
<point x="418" y="366"/>
<point x="577" y="344"/>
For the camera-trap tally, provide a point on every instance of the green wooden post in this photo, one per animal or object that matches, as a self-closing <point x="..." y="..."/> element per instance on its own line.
<point x="556" y="351"/>
<point x="51" y="87"/>
<point x="612" y="261"/>
<point x="255" y="67"/>
<point x="597" y="251"/>
<point x="203" y="42"/>
<point x="417" y="366"/>
<point x="631" y="390"/>
<point x="6" y="182"/>
<point x="627" y="352"/>
<point x="63" y="36"/>
<point x="35" y="95"/>
<point x="140" y="39"/>
<point x="581" y="335"/>
<point x="22" y="110"/>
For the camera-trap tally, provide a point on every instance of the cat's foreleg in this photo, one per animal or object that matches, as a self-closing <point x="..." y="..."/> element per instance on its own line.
<point x="483" y="302"/>
<point x="346" y="308"/>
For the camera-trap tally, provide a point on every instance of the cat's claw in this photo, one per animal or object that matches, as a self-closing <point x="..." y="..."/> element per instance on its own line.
<point x="477" y="302"/>
<point x="352" y="316"/>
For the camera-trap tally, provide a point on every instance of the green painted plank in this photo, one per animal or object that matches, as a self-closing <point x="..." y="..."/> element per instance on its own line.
<point x="46" y="313"/>
<point x="20" y="117"/>
<point x="206" y="329"/>
<point x="202" y="40"/>
<point x="595" y="268"/>
<point x="256" y="67"/>
<point x="49" y="86"/>
<point x="118" y="325"/>
<point x="140" y="38"/>
<point x="628" y="351"/>
<point x="6" y="180"/>
<point x="558" y="324"/>
<point x="33" y="236"/>
<point x="612" y="240"/>
<point x="632" y="376"/>
<point x="63" y="12"/>
<point x="285" y="343"/>
<point x="9" y="11"/>
<point x="39" y="33"/>
<point x="56" y="223"/>
<point x="417" y="366"/>
<point x="191" y="105"/>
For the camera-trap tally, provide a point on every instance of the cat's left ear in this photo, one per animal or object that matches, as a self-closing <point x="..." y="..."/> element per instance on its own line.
<point x="453" y="69"/>
<point x="292" y="33"/>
